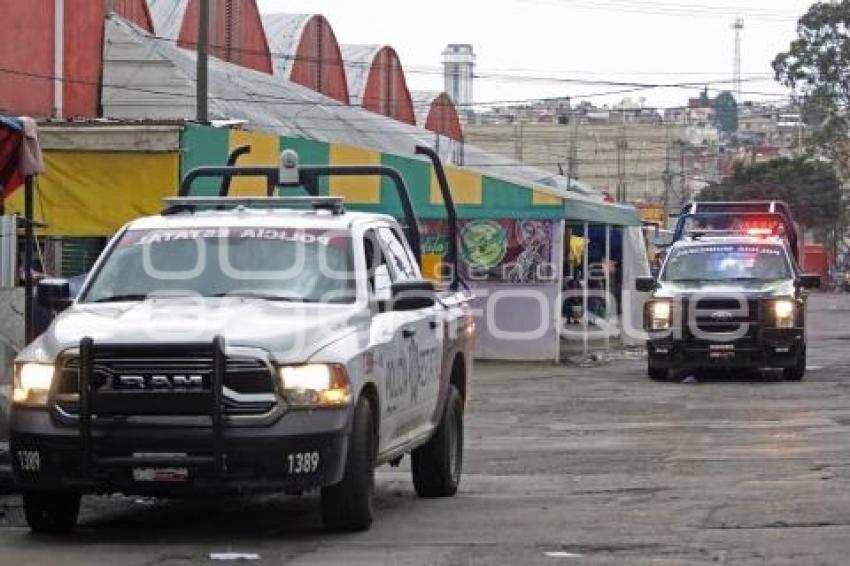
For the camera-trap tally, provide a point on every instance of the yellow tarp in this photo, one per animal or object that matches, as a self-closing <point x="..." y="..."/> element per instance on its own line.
<point x="94" y="194"/>
<point x="577" y="247"/>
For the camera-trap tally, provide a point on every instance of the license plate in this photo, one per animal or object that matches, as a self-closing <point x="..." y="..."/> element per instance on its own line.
<point x="161" y="475"/>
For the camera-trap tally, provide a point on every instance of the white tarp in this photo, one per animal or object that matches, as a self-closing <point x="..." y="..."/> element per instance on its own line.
<point x="635" y="264"/>
<point x="8" y="251"/>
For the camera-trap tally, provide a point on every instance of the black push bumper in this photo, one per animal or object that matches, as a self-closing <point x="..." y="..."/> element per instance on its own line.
<point x="773" y="348"/>
<point x="118" y="446"/>
<point x="254" y="459"/>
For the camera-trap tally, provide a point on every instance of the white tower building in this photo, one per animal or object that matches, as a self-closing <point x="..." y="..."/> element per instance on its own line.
<point x="459" y="70"/>
<point x="738" y="26"/>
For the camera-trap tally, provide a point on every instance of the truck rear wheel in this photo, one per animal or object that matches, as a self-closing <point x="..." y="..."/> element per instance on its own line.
<point x="48" y="512"/>
<point x="798" y="371"/>
<point x="347" y="506"/>
<point x="437" y="466"/>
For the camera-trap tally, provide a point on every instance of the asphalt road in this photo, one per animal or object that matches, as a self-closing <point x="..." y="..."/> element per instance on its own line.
<point x="564" y="465"/>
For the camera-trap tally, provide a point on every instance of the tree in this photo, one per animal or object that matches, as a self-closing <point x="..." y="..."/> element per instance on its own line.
<point x="811" y="188"/>
<point x="817" y="67"/>
<point x="727" y="112"/>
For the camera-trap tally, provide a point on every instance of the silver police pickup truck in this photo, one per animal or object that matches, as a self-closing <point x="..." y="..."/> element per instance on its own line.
<point x="241" y="345"/>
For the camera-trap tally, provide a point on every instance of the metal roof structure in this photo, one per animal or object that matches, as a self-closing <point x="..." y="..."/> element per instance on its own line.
<point x="358" y="65"/>
<point x="376" y="81"/>
<point x="436" y="112"/>
<point x="150" y="78"/>
<point x="167" y="16"/>
<point x="235" y="33"/>
<point x="307" y="52"/>
<point x="136" y="11"/>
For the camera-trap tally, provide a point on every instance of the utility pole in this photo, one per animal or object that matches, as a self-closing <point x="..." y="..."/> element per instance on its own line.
<point x="519" y="142"/>
<point x="667" y="175"/>
<point x="622" y="147"/>
<point x="573" y="157"/>
<point x="668" y="188"/>
<point x="202" y="78"/>
<point x="683" y="178"/>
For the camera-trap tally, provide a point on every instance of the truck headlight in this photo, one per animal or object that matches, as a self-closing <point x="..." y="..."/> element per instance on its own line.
<point x="315" y="385"/>
<point x="784" y="314"/>
<point x="660" y="315"/>
<point x="32" y="384"/>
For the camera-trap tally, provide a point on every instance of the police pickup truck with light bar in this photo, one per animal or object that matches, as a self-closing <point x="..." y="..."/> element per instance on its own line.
<point x="730" y="293"/>
<point x="235" y="345"/>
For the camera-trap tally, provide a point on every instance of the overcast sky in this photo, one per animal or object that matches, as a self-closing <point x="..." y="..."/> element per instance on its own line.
<point x="632" y="41"/>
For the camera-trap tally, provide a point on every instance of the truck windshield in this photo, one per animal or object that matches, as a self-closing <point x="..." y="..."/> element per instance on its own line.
<point x="278" y="264"/>
<point x="727" y="263"/>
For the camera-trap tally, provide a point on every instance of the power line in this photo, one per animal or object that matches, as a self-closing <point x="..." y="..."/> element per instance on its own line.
<point x="518" y="74"/>
<point x="672" y="9"/>
<point x="294" y="102"/>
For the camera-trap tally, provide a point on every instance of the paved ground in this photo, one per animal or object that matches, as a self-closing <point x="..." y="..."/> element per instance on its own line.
<point x="597" y="465"/>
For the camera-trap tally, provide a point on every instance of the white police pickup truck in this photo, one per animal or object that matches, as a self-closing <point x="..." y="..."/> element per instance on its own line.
<point x="240" y="345"/>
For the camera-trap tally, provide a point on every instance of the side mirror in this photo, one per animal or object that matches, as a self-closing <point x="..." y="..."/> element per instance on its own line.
<point x="809" y="281"/>
<point x="413" y="295"/>
<point x="54" y="294"/>
<point x="646" y="284"/>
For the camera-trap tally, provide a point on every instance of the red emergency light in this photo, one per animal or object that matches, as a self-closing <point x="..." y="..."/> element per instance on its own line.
<point x="761" y="228"/>
<point x="760" y="231"/>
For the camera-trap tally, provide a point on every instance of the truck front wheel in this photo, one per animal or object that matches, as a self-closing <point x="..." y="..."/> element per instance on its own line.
<point x="48" y="512"/>
<point x="437" y="465"/>
<point x="798" y="371"/>
<point x="347" y="506"/>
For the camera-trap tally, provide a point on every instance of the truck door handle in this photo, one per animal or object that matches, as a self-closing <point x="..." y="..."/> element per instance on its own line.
<point x="433" y="325"/>
<point x="408" y="333"/>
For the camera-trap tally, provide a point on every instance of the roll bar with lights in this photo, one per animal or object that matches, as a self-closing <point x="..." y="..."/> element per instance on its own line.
<point x="290" y="175"/>
<point x="765" y="218"/>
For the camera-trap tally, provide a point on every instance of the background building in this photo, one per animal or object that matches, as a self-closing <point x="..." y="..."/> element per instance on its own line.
<point x="459" y="70"/>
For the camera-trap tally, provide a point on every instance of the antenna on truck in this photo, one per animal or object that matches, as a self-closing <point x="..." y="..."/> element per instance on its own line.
<point x="290" y="174"/>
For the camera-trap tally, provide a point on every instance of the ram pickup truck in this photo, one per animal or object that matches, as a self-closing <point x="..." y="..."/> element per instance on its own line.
<point x="239" y="345"/>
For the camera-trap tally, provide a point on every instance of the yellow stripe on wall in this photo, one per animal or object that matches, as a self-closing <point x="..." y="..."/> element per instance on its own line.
<point x="467" y="187"/>
<point x="541" y="198"/>
<point x="265" y="151"/>
<point x="95" y="193"/>
<point x="355" y="190"/>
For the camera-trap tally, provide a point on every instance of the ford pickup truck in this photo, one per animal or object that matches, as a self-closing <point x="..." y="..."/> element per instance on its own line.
<point x="730" y="294"/>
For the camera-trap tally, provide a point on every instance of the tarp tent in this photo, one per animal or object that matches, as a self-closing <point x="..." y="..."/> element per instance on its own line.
<point x="20" y="161"/>
<point x="20" y="154"/>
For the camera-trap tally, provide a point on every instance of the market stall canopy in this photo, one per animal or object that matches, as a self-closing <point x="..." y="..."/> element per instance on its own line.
<point x="582" y="209"/>
<point x="20" y="153"/>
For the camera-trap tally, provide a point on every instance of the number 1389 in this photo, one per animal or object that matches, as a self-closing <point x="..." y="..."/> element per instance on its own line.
<point x="302" y="463"/>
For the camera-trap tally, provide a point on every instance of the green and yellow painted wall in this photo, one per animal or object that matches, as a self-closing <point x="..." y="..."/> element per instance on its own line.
<point x="93" y="193"/>
<point x="476" y="195"/>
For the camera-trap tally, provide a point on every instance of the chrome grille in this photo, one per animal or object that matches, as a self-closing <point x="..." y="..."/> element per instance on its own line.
<point x="248" y="382"/>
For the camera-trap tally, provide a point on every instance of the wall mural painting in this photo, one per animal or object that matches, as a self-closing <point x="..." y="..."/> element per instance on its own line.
<point x="509" y="251"/>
